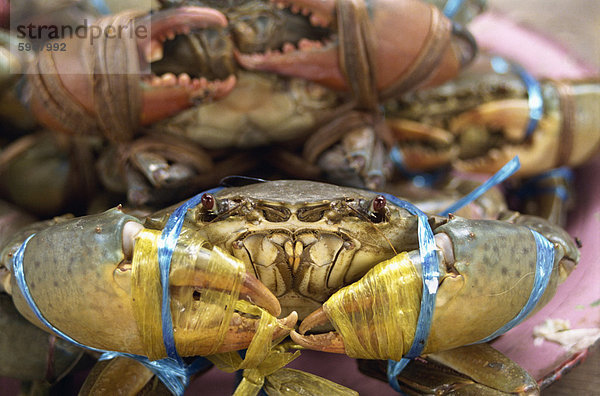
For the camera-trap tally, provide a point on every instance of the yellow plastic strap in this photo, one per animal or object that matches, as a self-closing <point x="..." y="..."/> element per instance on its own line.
<point x="261" y="358"/>
<point x="377" y="315"/>
<point x="210" y="316"/>
<point x="198" y="319"/>
<point x="146" y="293"/>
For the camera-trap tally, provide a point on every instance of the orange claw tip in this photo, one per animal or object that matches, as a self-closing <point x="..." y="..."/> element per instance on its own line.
<point x="316" y="318"/>
<point x="330" y="342"/>
<point x="242" y="330"/>
<point x="257" y="293"/>
<point x="251" y="288"/>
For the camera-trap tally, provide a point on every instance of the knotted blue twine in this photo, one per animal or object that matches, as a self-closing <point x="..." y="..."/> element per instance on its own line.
<point x="535" y="98"/>
<point x="172" y="371"/>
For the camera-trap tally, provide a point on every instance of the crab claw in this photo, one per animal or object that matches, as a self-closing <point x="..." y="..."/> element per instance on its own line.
<point x="421" y="147"/>
<point x="566" y="134"/>
<point x="331" y="342"/>
<point x="168" y="94"/>
<point x="376" y="316"/>
<point x="252" y="290"/>
<point x="100" y="85"/>
<point x="389" y="46"/>
<point x="372" y="316"/>
<point x="205" y="335"/>
<point x="242" y="330"/>
<point x="115" y="307"/>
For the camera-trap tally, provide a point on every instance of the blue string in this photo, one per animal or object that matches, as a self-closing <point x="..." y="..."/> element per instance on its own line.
<point x="534" y="91"/>
<point x="543" y="271"/>
<point x="452" y="7"/>
<point x="173" y="375"/>
<point x="504" y="173"/>
<point x="20" y="278"/>
<point x="427" y="249"/>
<point x="430" y="270"/>
<point x="166" y="246"/>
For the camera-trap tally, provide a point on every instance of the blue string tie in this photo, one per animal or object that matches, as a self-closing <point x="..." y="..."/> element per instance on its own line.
<point x="543" y="271"/>
<point x="430" y="269"/>
<point x="504" y="173"/>
<point x="534" y="91"/>
<point x="430" y="263"/>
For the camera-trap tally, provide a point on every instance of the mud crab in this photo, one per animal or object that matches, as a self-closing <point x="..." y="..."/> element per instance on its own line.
<point x="432" y="56"/>
<point x="291" y="247"/>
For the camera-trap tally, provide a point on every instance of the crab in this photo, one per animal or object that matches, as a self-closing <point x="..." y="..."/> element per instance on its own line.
<point x="299" y="250"/>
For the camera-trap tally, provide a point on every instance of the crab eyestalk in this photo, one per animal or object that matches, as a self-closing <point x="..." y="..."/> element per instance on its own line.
<point x="99" y="87"/>
<point x="377" y="51"/>
<point x="94" y="265"/>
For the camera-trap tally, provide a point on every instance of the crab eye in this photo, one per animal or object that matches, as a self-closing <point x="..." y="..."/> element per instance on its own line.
<point x="379" y="203"/>
<point x="208" y="201"/>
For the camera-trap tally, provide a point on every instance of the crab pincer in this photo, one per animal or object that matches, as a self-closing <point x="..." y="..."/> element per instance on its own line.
<point x="101" y="84"/>
<point x="114" y="289"/>
<point x="486" y="286"/>
<point x="377" y="49"/>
